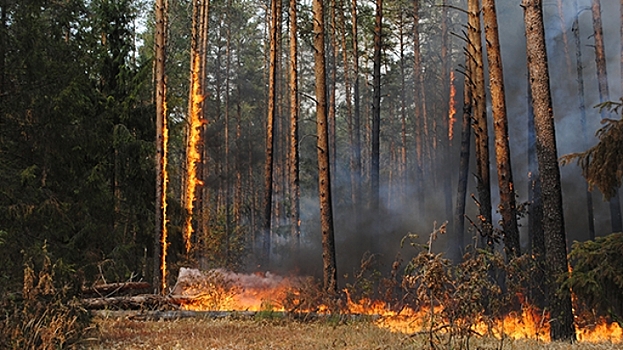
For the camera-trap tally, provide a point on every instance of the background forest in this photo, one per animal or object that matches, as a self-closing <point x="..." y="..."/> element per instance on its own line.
<point x="78" y="132"/>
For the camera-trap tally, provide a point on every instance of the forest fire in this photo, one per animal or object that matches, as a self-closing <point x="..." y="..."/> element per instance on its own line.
<point x="163" y="200"/>
<point x="221" y="290"/>
<point x="451" y="108"/>
<point x="193" y="157"/>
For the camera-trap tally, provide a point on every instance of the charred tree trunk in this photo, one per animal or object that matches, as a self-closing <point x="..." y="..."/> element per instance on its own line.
<point x="479" y="123"/>
<point x="349" y="102"/>
<point x="507" y="207"/>
<point x="270" y="133"/>
<point x="402" y="192"/>
<point x="582" y="106"/>
<point x="295" y="191"/>
<point x="376" y="110"/>
<point x="559" y="299"/>
<point x="446" y="62"/>
<point x="604" y="95"/>
<point x="160" y="237"/>
<point x="456" y="247"/>
<point x="324" y="171"/>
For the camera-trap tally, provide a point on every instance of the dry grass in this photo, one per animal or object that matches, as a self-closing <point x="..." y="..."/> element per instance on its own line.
<point x="205" y="334"/>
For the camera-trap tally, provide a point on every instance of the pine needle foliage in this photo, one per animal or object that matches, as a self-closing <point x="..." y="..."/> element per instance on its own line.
<point x="602" y="164"/>
<point x="597" y="276"/>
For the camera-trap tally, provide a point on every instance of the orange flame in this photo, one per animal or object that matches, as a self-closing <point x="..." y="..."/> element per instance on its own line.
<point x="452" y="108"/>
<point x="192" y="152"/>
<point x="220" y="290"/>
<point x="163" y="204"/>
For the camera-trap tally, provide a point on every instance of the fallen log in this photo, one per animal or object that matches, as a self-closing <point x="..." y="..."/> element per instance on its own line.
<point x="124" y="288"/>
<point x="171" y="315"/>
<point x="134" y="302"/>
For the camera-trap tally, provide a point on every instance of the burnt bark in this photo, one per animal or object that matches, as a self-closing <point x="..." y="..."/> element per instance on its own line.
<point x="559" y="298"/>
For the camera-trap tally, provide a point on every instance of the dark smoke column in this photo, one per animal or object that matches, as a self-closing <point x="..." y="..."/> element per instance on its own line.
<point x="553" y="224"/>
<point x="324" y="174"/>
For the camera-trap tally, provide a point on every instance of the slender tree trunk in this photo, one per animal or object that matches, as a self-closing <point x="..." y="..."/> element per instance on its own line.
<point x="479" y="123"/>
<point x="403" y="120"/>
<point x="324" y="171"/>
<point x="160" y="237"/>
<point x="421" y="123"/>
<point x="295" y="192"/>
<point x="349" y="101"/>
<point x="507" y="207"/>
<point x="356" y="166"/>
<point x="270" y="123"/>
<point x="446" y="62"/>
<point x="333" y="54"/>
<point x="582" y="106"/>
<point x="604" y="95"/>
<point x="376" y="110"/>
<point x="3" y="45"/>
<point x="559" y="299"/>
<point x="227" y="180"/>
<point x="456" y="244"/>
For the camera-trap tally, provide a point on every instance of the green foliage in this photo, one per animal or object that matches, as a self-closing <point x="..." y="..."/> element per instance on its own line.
<point x="602" y="164"/>
<point x="46" y="315"/>
<point x="597" y="276"/>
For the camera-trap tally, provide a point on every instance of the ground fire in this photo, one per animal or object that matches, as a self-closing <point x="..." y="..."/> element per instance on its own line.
<point x="221" y="290"/>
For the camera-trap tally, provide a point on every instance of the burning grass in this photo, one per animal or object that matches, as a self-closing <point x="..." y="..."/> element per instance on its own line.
<point x="260" y="333"/>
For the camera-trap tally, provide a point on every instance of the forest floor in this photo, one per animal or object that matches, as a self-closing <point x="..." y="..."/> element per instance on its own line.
<point x="230" y="334"/>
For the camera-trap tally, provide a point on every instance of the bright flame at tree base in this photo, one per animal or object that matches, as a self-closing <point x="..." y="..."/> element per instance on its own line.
<point x="221" y="290"/>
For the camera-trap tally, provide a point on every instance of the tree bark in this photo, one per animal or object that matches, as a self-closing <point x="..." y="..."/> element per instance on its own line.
<point x="270" y="123"/>
<point x="356" y="164"/>
<point x="479" y="123"/>
<point x="604" y="95"/>
<point x="454" y="253"/>
<point x="376" y="110"/>
<point x="507" y="207"/>
<point x="160" y="237"/>
<point x="559" y="299"/>
<point x="582" y="106"/>
<point x="324" y="171"/>
<point x="421" y="123"/>
<point x="295" y="193"/>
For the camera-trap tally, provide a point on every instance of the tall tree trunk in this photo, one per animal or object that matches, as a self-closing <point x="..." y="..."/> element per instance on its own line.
<point x="479" y="123"/>
<point x="270" y="123"/>
<point x="356" y="165"/>
<point x="507" y="207"/>
<point x="421" y="123"/>
<point x="160" y="237"/>
<point x="403" y="120"/>
<point x="376" y="110"/>
<point x="295" y="191"/>
<point x="456" y="243"/>
<point x="446" y="62"/>
<point x="324" y="171"/>
<point x="582" y="106"/>
<point x="604" y="95"/>
<point x="333" y="54"/>
<point x="559" y="299"/>
<point x="349" y="101"/>
<point x="227" y="180"/>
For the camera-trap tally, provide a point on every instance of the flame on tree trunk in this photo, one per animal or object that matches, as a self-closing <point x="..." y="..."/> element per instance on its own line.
<point x="451" y="108"/>
<point x="193" y="156"/>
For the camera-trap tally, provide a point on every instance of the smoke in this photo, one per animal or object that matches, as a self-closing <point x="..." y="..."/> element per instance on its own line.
<point x="358" y="230"/>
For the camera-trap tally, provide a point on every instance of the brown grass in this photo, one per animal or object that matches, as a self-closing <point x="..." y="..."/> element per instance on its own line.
<point x="230" y="334"/>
